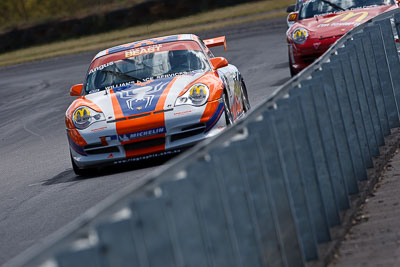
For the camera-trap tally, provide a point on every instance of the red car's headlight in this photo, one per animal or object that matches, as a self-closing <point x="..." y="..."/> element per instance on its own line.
<point x="300" y="35"/>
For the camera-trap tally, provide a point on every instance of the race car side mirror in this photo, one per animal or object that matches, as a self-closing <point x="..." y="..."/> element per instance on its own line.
<point x="291" y="8"/>
<point x="219" y="62"/>
<point x="76" y="90"/>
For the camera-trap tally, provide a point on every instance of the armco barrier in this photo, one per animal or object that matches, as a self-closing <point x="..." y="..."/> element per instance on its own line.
<point x="266" y="191"/>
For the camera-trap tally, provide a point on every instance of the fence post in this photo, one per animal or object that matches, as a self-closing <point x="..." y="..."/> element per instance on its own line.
<point x="306" y="167"/>
<point x="215" y="226"/>
<point x="87" y="257"/>
<point x="295" y="181"/>
<point x="393" y="60"/>
<point x="358" y="40"/>
<point x="333" y="79"/>
<point x="382" y="63"/>
<point x="355" y="106"/>
<point x="348" y="114"/>
<point x="235" y="195"/>
<point x="249" y="154"/>
<point x="319" y="156"/>
<point x="149" y="221"/>
<point x="183" y="215"/>
<point x="357" y="64"/>
<point x="278" y="189"/>
<point x="117" y="241"/>
<point x="376" y="84"/>
<point x="315" y="87"/>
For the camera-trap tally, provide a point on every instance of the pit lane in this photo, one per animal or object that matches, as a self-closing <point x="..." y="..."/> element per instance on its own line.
<point x="39" y="193"/>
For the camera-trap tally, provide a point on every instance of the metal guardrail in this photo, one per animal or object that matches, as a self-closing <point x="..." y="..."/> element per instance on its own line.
<point x="266" y="191"/>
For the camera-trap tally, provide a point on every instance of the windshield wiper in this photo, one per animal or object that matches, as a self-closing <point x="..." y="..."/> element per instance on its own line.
<point x="333" y="5"/>
<point x="123" y="75"/>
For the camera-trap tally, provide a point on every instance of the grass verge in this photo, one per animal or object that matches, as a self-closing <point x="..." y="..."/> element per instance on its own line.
<point x="196" y="23"/>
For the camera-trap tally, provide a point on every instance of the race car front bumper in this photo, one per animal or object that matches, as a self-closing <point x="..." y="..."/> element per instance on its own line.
<point x="184" y="128"/>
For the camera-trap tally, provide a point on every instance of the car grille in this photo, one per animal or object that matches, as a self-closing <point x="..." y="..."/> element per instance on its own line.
<point x="189" y="131"/>
<point x="98" y="149"/>
<point x="145" y="144"/>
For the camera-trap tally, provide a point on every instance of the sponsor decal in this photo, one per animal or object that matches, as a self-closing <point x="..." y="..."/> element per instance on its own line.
<point x="120" y="85"/>
<point x="136" y="98"/>
<point x="81" y="115"/>
<point x="137" y="135"/>
<point x="343" y="19"/>
<point x="101" y="67"/>
<point x="182" y="113"/>
<point x="316" y="45"/>
<point x="349" y="15"/>
<point x="143" y="43"/>
<point x="173" y="75"/>
<point x="300" y="35"/>
<point x="155" y="155"/>
<point x="99" y="129"/>
<point x="111" y="156"/>
<point x="143" y="50"/>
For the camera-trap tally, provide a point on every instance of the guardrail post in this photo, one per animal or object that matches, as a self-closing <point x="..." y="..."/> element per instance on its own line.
<point x="253" y="169"/>
<point x="357" y="65"/>
<point x="327" y="186"/>
<point x="376" y="123"/>
<point x="149" y="220"/>
<point x="306" y="165"/>
<point x="376" y="84"/>
<point x="392" y="59"/>
<point x="341" y="86"/>
<point x="315" y="86"/>
<point x="295" y="181"/>
<point x="382" y="63"/>
<point x="183" y="215"/>
<point x="395" y="61"/>
<point x="216" y="227"/>
<point x="356" y="111"/>
<point x="117" y="242"/>
<point x="254" y="173"/>
<point x="87" y="257"/>
<point x="335" y="102"/>
<point x="235" y="195"/>
<point x="278" y="189"/>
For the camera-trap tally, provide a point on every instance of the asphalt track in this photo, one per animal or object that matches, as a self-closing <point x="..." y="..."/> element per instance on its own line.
<point x="39" y="193"/>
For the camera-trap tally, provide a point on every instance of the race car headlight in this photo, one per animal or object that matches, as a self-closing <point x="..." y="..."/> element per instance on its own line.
<point x="83" y="117"/>
<point x="197" y="95"/>
<point x="300" y="35"/>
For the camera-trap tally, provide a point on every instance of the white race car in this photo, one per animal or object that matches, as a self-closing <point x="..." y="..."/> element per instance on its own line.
<point x="151" y="98"/>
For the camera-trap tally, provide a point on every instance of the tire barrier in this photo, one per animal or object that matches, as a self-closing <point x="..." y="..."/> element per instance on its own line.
<point x="266" y="191"/>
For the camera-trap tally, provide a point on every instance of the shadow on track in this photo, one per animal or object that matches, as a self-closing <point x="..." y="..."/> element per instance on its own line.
<point x="69" y="176"/>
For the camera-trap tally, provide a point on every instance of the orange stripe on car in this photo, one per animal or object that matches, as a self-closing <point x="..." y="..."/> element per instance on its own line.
<point x="117" y="108"/>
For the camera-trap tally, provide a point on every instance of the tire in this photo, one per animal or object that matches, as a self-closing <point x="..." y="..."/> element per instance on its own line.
<point x="245" y="97"/>
<point x="292" y="70"/>
<point x="79" y="171"/>
<point x="228" y="114"/>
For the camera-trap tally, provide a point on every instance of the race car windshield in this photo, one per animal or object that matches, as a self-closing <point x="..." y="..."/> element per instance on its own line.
<point x="313" y="8"/>
<point x="145" y="63"/>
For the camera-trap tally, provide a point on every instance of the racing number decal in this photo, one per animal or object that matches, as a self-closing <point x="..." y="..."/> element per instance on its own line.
<point x="361" y="16"/>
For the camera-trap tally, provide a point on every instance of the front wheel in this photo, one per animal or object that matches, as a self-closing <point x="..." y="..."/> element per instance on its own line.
<point x="79" y="171"/>
<point x="245" y="97"/>
<point x="227" y="111"/>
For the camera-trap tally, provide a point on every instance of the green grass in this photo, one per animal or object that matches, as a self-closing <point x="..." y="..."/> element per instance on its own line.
<point x="196" y="23"/>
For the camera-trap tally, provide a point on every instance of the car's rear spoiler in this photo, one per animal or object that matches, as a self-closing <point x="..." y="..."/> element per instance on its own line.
<point x="218" y="41"/>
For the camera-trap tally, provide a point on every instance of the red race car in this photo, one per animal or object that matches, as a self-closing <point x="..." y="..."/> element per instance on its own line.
<point x="319" y="23"/>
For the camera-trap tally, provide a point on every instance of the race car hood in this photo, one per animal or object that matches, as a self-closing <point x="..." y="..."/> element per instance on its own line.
<point x="337" y="24"/>
<point x="139" y="98"/>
